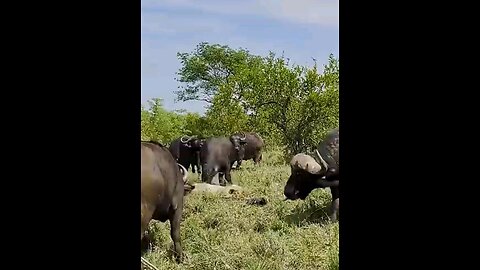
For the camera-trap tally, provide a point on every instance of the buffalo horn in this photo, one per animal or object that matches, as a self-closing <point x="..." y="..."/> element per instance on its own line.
<point x="184" y="172"/>
<point x="244" y="136"/>
<point x="182" y="139"/>
<point x="305" y="163"/>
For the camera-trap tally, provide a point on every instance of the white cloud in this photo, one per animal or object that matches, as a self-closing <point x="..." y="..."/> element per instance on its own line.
<point x="318" y="12"/>
<point x="321" y="12"/>
<point x="162" y="23"/>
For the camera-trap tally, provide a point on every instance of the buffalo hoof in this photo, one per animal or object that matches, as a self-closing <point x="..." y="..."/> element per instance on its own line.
<point x="177" y="257"/>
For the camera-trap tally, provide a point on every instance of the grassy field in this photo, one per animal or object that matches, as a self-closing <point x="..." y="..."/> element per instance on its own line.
<point x="223" y="232"/>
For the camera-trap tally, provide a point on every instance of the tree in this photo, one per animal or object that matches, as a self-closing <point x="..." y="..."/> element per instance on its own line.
<point x="206" y="69"/>
<point x="226" y="115"/>
<point x="299" y="102"/>
<point x="197" y="125"/>
<point x="293" y="106"/>
<point x="161" y="125"/>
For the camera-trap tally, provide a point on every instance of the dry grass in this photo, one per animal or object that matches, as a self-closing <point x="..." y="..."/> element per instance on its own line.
<point x="220" y="232"/>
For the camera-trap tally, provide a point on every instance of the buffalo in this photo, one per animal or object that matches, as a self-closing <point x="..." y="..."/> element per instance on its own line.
<point x="217" y="156"/>
<point x="163" y="181"/>
<point x="307" y="174"/>
<point x="252" y="148"/>
<point x="186" y="150"/>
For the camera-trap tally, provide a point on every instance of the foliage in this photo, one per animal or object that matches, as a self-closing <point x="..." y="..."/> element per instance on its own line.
<point x="226" y="115"/>
<point x="289" y="105"/>
<point x="206" y="69"/>
<point x="161" y="125"/>
<point x="196" y="125"/>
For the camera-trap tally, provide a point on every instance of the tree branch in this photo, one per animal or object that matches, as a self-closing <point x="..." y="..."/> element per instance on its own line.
<point x="207" y="100"/>
<point x="281" y="125"/>
<point x="268" y="103"/>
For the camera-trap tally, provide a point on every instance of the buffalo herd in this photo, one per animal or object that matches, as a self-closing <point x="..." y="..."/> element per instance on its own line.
<point x="164" y="173"/>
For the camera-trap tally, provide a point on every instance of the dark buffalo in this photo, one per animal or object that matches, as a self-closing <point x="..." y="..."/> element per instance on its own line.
<point x="217" y="156"/>
<point x="186" y="150"/>
<point x="252" y="149"/>
<point x="307" y="174"/>
<point x="195" y="161"/>
<point x="162" y="187"/>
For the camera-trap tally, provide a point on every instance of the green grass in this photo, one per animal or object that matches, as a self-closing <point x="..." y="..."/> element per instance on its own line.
<point x="220" y="232"/>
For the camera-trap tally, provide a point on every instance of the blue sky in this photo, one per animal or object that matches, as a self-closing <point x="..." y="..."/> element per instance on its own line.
<point x="302" y="29"/>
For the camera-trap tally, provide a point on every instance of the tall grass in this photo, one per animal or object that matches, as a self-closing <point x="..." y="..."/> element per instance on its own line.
<point x="223" y="232"/>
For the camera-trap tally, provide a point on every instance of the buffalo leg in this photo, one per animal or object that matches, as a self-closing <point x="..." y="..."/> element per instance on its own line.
<point x="200" y="172"/>
<point x="205" y="174"/>
<point x="228" y="176"/>
<point x="221" y="179"/>
<point x="257" y="159"/>
<point x="197" y="161"/>
<point x="335" y="203"/>
<point x="193" y="167"/>
<point x="175" y="219"/>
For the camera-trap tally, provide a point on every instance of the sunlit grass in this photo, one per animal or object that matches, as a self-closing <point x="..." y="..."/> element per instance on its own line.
<point x="223" y="232"/>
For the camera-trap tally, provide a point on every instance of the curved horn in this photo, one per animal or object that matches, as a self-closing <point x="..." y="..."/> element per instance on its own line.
<point x="182" y="139"/>
<point x="244" y="136"/>
<point x="321" y="159"/>
<point x="305" y="163"/>
<point x="184" y="172"/>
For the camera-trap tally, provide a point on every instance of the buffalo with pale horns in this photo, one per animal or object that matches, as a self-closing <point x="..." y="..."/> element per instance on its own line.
<point x="163" y="181"/>
<point x="186" y="150"/>
<point x="217" y="156"/>
<point x="307" y="174"/>
<point x="252" y="149"/>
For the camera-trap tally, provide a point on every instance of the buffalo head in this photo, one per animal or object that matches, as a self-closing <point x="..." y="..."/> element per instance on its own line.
<point x="239" y="140"/>
<point x="192" y="142"/>
<point x="306" y="175"/>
